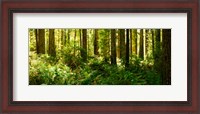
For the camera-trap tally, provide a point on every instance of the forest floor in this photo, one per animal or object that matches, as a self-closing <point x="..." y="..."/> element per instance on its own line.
<point x="72" y="70"/>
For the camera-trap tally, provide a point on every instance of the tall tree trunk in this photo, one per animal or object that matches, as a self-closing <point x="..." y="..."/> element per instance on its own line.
<point x="166" y="57"/>
<point x="80" y="34"/>
<point x="122" y="43"/>
<point x="158" y="44"/>
<point x="52" y="50"/>
<point x="37" y="41"/>
<point x="157" y="51"/>
<point x="153" y="36"/>
<point x="41" y="42"/>
<point x="144" y="42"/>
<point x="75" y="42"/>
<point x="113" y="47"/>
<point x="127" y="49"/>
<point x="62" y="33"/>
<point x="58" y="33"/>
<point x="84" y="50"/>
<point x="68" y="36"/>
<point x="131" y="42"/>
<point x="107" y="45"/>
<point x="118" y="43"/>
<point x="88" y="41"/>
<point x="96" y="39"/>
<point x="141" y="50"/>
<point x="63" y="37"/>
<point x="135" y="40"/>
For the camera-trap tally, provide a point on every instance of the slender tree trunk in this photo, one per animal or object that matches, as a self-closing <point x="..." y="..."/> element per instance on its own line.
<point x="52" y="50"/>
<point x="141" y="50"/>
<point x="153" y="36"/>
<point x="157" y="51"/>
<point x="127" y="48"/>
<point x="84" y="50"/>
<point x="46" y="41"/>
<point x="41" y="42"/>
<point x="96" y="39"/>
<point x="37" y="41"/>
<point x="118" y="43"/>
<point x="107" y="55"/>
<point x="131" y="42"/>
<point x="144" y="42"/>
<point x="158" y="44"/>
<point x="113" y="47"/>
<point x="122" y="43"/>
<point x="135" y="40"/>
<point x="75" y="42"/>
<point x="88" y="42"/>
<point x="68" y="36"/>
<point x="58" y="33"/>
<point x="166" y="57"/>
<point x="63" y="37"/>
<point x="80" y="31"/>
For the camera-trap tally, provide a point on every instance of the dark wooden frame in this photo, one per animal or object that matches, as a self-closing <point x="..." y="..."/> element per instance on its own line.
<point x="149" y="6"/>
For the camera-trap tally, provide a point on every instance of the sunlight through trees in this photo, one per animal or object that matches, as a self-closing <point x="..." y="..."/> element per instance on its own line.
<point x="100" y="56"/>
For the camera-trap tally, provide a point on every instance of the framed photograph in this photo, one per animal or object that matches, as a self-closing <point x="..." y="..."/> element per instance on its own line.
<point x="100" y="56"/>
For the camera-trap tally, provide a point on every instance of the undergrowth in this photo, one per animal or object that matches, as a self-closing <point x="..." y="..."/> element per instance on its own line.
<point x="67" y="69"/>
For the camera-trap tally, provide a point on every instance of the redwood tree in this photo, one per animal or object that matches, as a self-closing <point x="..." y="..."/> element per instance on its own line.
<point x="135" y="40"/>
<point x="113" y="47"/>
<point x="122" y="43"/>
<point x="84" y="48"/>
<point x="96" y="39"/>
<point x="52" y="48"/>
<point x="40" y="41"/>
<point x="166" y="57"/>
<point x="141" y="50"/>
<point x="127" y="48"/>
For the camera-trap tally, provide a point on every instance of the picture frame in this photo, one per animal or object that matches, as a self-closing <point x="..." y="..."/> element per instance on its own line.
<point x="190" y="7"/>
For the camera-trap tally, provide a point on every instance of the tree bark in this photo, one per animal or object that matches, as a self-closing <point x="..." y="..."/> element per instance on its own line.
<point x="113" y="47"/>
<point x="153" y="36"/>
<point x="68" y="36"/>
<point x="37" y="41"/>
<point x="118" y="43"/>
<point x="141" y="50"/>
<point x="157" y="52"/>
<point x="52" y="50"/>
<point x="74" y="42"/>
<point x="127" y="49"/>
<point x="135" y="40"/>
<point x="131" y="42"/>
<point x="84" y="50"/>
<point x="122" y="43"/>
<point x="81" y="43"/>
<point x="158" y="40"/>
<point x="63" y="37"/>
<point x="41" y="41"/>
<point x="96" y="39"/>
<point x="166" y="57"/>
<point x="144" y="42"/>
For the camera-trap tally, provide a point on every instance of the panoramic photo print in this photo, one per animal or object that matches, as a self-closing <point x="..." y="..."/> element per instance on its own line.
<point x="99" y="56"/>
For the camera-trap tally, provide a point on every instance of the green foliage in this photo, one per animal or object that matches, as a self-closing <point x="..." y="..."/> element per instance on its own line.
<point x="104" y="42"/>
<point x="69" y="68"/>
<point x="42" y="71"/>
<point x="32" y="46"/>
<point x="95" y="72"/>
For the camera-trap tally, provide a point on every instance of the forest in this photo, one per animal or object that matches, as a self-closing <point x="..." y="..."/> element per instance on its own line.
<point x="99" y="56"/>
